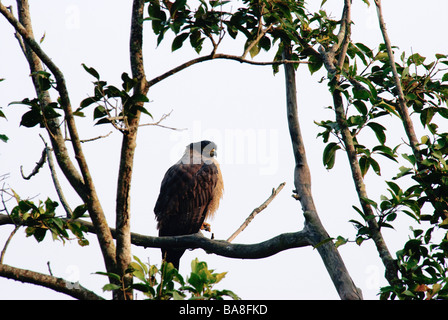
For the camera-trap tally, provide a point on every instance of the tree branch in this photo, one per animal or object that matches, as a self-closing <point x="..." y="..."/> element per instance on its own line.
<point x="341" y="118"/>
<point x="54" y="176"/>
<point x="218" y="56"/>
<point x="52" y="125"/>
<point x="86" y="189"/>
<point x="36" y="169"/>
<point x="261" y="34"/>
<point x="302" y="182"/>
<point x="2" y="254"/>
<point x="198" y="241"/>
<point x="74" y="290"/>
<point x="257" y="211"/>
<point x="123" y="203"/>
<point x="407" y="122"/>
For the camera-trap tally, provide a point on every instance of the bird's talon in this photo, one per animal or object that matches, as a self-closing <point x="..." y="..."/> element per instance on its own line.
<point x="206" y="227"/>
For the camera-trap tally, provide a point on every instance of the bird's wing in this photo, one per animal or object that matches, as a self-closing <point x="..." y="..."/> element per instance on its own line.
<point x="185" y="194"/>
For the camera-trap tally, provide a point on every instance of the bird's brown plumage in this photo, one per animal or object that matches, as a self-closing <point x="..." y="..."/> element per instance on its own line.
<point x="189" y="193"/>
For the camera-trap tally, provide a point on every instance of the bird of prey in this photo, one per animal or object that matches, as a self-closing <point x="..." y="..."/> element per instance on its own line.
<point x="190" y="193"/>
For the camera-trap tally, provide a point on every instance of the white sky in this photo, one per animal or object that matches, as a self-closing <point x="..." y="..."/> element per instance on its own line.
<point x="222" y="101"/>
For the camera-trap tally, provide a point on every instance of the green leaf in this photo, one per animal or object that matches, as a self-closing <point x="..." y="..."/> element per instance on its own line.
<point x="196" y="40"/>
<point x="315" y="63"/>
<point x="31" y="118"/>
<point x="254" y="51"/>
<point x="386" y="152"/>
<point x="195" y="281"/>
<point x="329" y="154"/>
<point x="360" y="106"/>
<point x="43" y="80"/>
<point x="138" y="271"/>
<point x="365" y="49"/>
<point x="445" y="77"/>
<point x="361" y="94"/>
<point x="395" y="188"/>
<point x="219" y="276"/>
<point x="88" y="101"/>
<point x="79" y="211"/>
<point x="375" y="166"/>
<point x="91" y="71"/>
<point x="109" y="274"/>
<point x="39" y="234"/>
<point x="372" y="89"/>
<point x="416" y="59"/>
<point x="128" y="83"/>
<point x="340" y="241"/>
<point x="364" y="165"/>
<point x="322" y="242"/>
<point x="179" y="41"/>
<point x="370" y="202"/>
<point x="379" y="131"/>
<point x="178" y="296"/>
<point x="99" y="112"/>
<point x="111" y="287"/>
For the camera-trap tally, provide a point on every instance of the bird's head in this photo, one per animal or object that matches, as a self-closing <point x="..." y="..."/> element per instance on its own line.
<point x="202" y="151"/>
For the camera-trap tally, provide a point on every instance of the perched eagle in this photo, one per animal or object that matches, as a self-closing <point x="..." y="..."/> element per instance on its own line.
<point x="189" y="194"/>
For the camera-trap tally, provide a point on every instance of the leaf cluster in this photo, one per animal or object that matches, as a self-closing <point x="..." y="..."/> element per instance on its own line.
<point x="41" y="218"/>
<point x="114" y="105"/>
<point x="167" y="283"/>
<point x="371" y="94"/>
<point x="261" y="22"/>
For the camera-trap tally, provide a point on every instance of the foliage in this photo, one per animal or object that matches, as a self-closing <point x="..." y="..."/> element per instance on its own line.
<point x="105" y="98"/>
<point x="371" y="96"/>
<point x="419" y="190"/>
<point x="261" y="22"/>
<point x="166" y="283"/>
<point x="41" y="218"/>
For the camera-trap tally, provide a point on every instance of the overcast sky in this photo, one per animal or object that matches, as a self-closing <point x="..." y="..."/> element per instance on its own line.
<point x="240" y="107"/>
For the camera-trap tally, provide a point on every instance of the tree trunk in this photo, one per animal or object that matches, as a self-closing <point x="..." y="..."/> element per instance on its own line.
<point x="302" y="182"/>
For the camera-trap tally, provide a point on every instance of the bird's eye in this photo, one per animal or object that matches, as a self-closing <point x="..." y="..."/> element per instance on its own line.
<point x="212" y="153"/>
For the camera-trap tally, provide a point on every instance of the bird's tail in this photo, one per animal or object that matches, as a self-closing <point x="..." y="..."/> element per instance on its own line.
<point x="173" y="256"/>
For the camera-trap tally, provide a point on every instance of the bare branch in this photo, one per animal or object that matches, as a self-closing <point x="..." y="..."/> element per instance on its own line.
<point x="129" y="143"/>
<point x="407" y="122"/>
<point x="2" y="254"/>
<point x="36" y="169"/>
<point x="220" y="247"/>
<point x="218" y="56"/>
<point x="257" y="211"/>
<point x="157" y="123"/>
<point x="302" y="181"/>
<point x="95" y="138"/>
<point x="56" y="180"/>
<point x="72" y="289"/>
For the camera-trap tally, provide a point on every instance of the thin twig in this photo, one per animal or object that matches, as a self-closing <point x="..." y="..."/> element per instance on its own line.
<point x="256" y="211"/>
<point x="2" y="255"/>
<point x="93" y="139"/>
<point x="49" y="268"/>
<point x="157" y="123"/>
<point x="58" y="187"/>
<point x="36" y="169"/>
